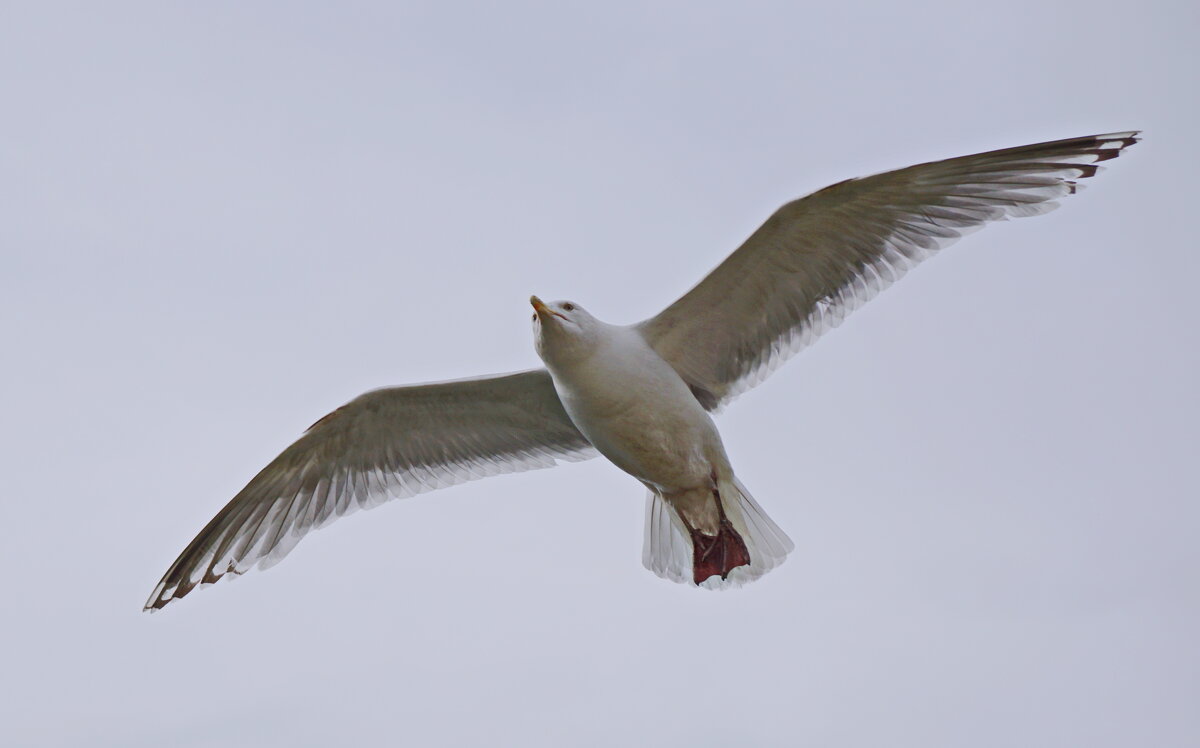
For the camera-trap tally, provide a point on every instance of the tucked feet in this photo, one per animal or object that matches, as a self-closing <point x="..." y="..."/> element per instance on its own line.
<point x="717" y="554"/>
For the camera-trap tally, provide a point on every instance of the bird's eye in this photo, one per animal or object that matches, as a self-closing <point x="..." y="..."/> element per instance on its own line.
<point x="568" y="307"/>
<point x="534" y="318"/>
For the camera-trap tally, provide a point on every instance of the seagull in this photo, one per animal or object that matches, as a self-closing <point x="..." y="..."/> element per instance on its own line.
<point x="643" y="395"/>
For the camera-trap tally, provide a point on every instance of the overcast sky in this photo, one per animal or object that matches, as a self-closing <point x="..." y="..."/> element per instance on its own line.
<point x="219" y="221"/>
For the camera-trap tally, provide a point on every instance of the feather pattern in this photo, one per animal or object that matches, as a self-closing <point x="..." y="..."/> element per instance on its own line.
<point x="821" y="257"/>
<point x="388" y="443"/>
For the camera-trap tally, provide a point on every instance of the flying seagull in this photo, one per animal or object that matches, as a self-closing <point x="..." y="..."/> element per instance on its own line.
<point x="641" y="395"/>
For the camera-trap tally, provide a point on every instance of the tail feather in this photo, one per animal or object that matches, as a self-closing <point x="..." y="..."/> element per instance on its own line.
<point x="668" y="550"/>
<point x="774" y="543"/>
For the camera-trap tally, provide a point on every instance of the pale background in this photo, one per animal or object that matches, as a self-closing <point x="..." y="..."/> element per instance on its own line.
<point x="221" y="220"/>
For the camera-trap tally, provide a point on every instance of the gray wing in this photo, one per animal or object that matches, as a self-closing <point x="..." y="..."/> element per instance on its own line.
<point x="822" y="256"/>
<point x="389" y="443"/>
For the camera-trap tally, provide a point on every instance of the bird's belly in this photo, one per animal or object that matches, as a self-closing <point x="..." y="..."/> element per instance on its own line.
<point x="654" y="450"/>
<point x="653" y="430"/>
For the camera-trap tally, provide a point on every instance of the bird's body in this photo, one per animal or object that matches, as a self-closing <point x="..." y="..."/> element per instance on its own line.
<point x="642" y="395"/>
<point x="636" y="410"/>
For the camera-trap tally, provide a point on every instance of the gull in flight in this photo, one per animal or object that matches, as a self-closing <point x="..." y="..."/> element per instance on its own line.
<point x="642" y="395"/>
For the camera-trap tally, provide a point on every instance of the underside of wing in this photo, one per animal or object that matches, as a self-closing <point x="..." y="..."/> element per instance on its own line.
<point x="389" y="443"/>
<point x="822" y="256"/>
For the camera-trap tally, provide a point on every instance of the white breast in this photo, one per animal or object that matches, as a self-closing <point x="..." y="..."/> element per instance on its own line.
<point x="638" y="412"/>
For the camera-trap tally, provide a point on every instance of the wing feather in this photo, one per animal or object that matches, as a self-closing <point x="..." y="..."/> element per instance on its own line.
<point x="821" y="257"/>
<point x="389" y="443"/>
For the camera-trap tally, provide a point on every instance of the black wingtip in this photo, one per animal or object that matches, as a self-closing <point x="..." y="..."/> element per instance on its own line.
<point x="1111" y="145"/>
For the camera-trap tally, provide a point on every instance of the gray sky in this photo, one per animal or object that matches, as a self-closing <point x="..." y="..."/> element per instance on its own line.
<point x="221" y="220"/>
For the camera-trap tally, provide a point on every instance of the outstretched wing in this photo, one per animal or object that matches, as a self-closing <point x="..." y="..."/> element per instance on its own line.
<point x="389" y="443"/>
<point x="820" y="257"/>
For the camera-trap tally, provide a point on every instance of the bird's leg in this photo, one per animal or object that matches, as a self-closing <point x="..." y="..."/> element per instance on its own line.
<point x="717" y="548"/>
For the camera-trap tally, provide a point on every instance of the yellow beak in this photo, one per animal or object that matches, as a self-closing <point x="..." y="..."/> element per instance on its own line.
<point x="543" y="310"/>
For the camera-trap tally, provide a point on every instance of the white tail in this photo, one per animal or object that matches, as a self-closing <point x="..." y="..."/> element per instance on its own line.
<point x="667" y="549"/>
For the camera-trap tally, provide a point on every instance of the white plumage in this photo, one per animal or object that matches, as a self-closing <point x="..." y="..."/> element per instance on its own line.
<point x="641" y="395"/>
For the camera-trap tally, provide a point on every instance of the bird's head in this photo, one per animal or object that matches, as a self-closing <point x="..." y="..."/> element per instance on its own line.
<point x="562" y="330"/>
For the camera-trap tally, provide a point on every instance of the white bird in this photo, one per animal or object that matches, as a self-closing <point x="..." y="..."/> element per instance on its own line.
<point x="641" y="395"/>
